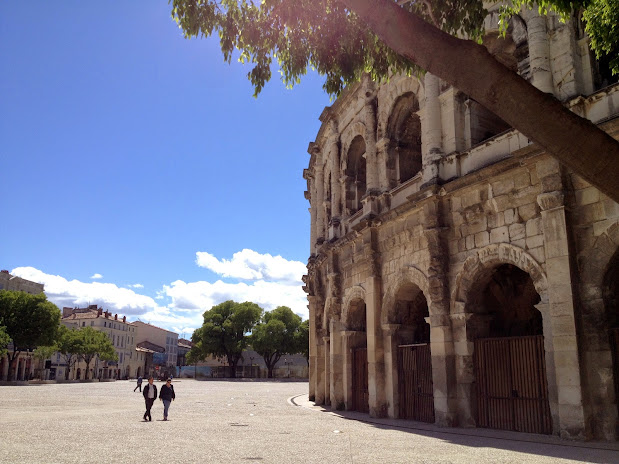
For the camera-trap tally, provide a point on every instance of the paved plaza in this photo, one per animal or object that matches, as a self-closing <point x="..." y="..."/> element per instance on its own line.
<point x="243" y="422"/>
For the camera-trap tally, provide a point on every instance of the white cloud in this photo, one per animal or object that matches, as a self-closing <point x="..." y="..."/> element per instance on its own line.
<point x="250" y="265"/>
<point x="96" y="276"/>
<point x="197" y="297"/>
<point x="72" y="293"/>
<point x="273" y="281"/>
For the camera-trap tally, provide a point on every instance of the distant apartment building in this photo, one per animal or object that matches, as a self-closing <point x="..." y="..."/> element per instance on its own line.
<point x="17" y="284"/>
<point x="121" y="333"/>
<point x="162" y="338"/>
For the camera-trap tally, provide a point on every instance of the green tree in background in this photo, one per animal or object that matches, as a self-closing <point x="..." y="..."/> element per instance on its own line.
<point x="277" y="335"/>
<point x="92" y="343"/>
<point x="4" y="341"/>
<point x="343" y="39"/>
<point x="41" y="353"/>
<point x="30" y="321"/>
<point x="303" y="339"/>
<point x="68" y="345"/>
<point x="224" y="333"/>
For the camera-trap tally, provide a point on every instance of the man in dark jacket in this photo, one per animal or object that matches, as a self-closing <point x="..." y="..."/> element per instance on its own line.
<point x="150" y="394"/>
<point x="166" y="394"/>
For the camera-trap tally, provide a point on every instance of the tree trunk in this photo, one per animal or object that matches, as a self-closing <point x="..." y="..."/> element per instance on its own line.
<point x="12" y="373"/>
<point x="469" y="67"/>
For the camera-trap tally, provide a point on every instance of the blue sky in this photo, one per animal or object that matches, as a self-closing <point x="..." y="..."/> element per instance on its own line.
<point x="138" y="172"/>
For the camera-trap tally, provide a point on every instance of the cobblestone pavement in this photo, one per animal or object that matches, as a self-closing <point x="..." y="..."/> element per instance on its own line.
<point x="243" y="422"/>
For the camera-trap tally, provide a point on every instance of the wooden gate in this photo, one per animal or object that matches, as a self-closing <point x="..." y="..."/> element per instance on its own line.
<point x="360" y="393"/>
<point x="416" y="391"/>
<point x="512" y="391"/>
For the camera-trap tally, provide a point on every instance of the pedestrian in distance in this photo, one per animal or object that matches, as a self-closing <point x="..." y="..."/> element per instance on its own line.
<point x="167" y="395"/>
<point x="139" y="385"/>
<point x="150" y="395"/>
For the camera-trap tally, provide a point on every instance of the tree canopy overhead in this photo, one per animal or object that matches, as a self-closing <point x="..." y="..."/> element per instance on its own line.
<point x="342" y="39"/>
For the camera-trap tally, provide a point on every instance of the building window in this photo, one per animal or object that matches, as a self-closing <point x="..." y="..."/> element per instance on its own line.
<point x="92" y="323"/>
<point x="83" y="324"/>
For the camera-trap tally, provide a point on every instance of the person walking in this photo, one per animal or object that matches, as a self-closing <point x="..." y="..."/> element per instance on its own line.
<point x="150" y="395"/>
<point x="167" y="395"/>
<point x="139" y="385"/>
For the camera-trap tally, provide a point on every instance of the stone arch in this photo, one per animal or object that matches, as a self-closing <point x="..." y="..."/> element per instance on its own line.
<point x="354" y="172"/>
<point x="485" y="260"/>
<point x="350" y="133"/>
<point x="410" y="274"/>
<point x="389" y="94"/>
<point x="351" y="297"/>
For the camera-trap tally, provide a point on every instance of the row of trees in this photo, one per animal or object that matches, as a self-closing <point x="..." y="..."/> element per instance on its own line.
<point x="32" y="323"/>
<point x="229" y="328"/>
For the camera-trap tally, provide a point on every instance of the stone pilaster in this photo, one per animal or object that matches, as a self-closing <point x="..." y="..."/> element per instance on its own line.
<point x="562" y="325"/>
<point x="431" y="133"/>
<point x="327" y="369"/>
<point x="313" y="347"/>
<point x="390" y="336"/>
<point x="382" y="155"/>
<point x="539" y="51"/>
<point x="337" y="370"/>
<point x="319" y="397"/>
<point x="336" y="188"/>
<point x="320" y="205"/>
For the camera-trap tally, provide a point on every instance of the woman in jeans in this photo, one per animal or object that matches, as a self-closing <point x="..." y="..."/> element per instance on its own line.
<point x="166" y="394"/>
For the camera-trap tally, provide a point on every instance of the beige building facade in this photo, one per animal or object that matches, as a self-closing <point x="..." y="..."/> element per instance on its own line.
<point x="458" y="274"/>
<point x="121" y="333"/>
<point x="161" y="337"/>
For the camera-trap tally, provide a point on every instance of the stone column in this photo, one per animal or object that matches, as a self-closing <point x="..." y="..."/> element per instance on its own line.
<point x="465" y="376"/>
<point x="311" y="196"/>
<point x="336" y="188"/>
<point x="320" y="207"/>
<point x="539" y="51"/>
<point x="432" y="133"/>
<point x="376" y="358"/>
<point x="370" y="143"/>
<point x="441" y="338"/>
<point x="382" y="155"/>
<point x="337" y="372"/>
<point x="561" y="310"/>
<point x="313" y="348"/>
<point x="391" y="369"/>
<point x="327" y="371"/>
<point x="320" y="370"/>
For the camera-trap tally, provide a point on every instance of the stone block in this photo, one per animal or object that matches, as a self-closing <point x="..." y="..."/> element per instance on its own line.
<point x="534" y="226"/>
<point x="570" y="395"/>
<point x="462" y="245"/>
<point x="519" y="243"/>
<point x="499" y="235"/>
<point x="482" y="239"/>
<point x="565" y="343"/>
<point x="539" y="254"/>
<point x="587" y="196"/>
<point x="496" y="220"/>
<point x="579" y="183"/>
<point x="522" y="180"/>
<point x="563" y="325"/>
<point x="528" y="211"/>
<point x="470" y="198"/>
<point x="516" y="231"/>
<point x="611" y="208"/>
<point x="535" y="241"/>
<point x="558" y="272"/>
<point x="602" y="226"/>
<point x="552" y="183"/>
<point x="478" y="226"/>
<point x="561" y="309"/>
<point x="546" y="167"/>
<point x="510" y="215"/>
<point x="470" y="242"/>
<point x="503" y="186"/>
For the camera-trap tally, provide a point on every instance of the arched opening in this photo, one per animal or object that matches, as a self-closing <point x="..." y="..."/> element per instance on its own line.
<point x="414" y="360"/>
<point x="356" y="322"/>
<point x="509" y="359"/>
<point x="78" y="374"/>
<point x="610" y="294"/>
<point x="355" y="173"/>
<point x="404" y="130"/>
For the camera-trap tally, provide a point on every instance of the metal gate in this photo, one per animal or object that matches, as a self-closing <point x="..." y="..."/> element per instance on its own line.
<point x="416" y="391"/>
<point x="512" y="391"/>
<point x="360" y="393"/>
